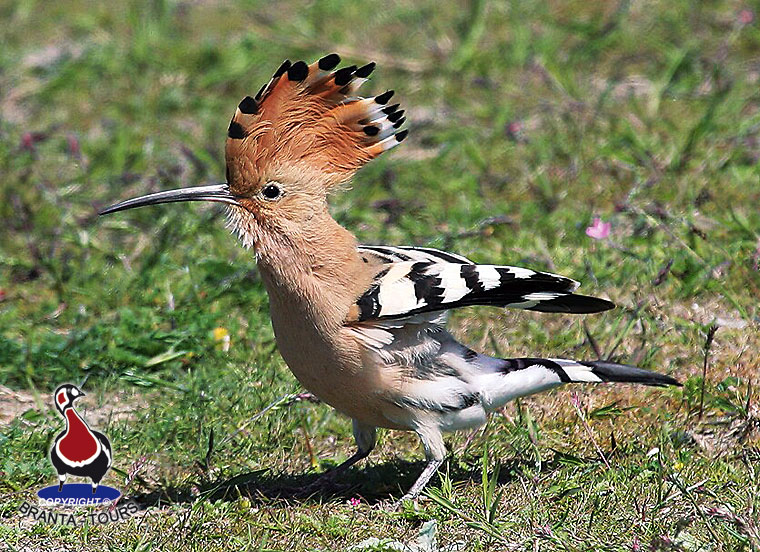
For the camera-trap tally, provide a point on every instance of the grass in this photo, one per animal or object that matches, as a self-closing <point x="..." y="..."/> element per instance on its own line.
<point x="527" y="119"/>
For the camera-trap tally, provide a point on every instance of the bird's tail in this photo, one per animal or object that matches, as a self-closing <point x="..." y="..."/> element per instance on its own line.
<point x="597" y="371"/>
<point x="507" y="379"/>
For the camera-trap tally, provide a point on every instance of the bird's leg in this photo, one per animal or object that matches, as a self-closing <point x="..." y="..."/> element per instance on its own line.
<point x="343" y="466"/>
<point x="365" y="442"/>
<point x="435" y="452"/>
<point x="422" y="480"/>
<point x="94" y="487"/>
<point x="61" y="480"/>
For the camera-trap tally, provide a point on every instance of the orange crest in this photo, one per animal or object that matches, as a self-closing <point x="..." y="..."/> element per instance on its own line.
<point x="310" y="121"/>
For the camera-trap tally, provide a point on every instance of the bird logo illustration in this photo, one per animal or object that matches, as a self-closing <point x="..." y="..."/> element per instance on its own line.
<point x="363" y="327"/>
<point x="78" y="450"/>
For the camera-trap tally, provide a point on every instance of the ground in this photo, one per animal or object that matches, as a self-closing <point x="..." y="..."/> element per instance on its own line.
<point x="527" y="120"/>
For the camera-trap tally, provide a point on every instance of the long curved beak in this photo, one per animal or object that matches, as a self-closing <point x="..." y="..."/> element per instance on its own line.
<point x="215" y="192"/>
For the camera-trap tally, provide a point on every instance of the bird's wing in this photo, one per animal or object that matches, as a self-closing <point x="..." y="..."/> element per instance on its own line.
<point x="400" y="253"/>
<point x="427" y="363"/>
<point x="413" y="281"/>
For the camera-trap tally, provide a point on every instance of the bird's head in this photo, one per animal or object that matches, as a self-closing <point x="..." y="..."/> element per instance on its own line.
<point x="65" y="396"/>
<point x="304" y="133"/>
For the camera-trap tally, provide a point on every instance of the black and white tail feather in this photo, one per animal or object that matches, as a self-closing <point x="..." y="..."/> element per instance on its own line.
<point x="446" y="386"/>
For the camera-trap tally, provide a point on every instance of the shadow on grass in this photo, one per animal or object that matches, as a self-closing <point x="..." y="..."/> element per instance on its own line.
<point x="374" y="484"/>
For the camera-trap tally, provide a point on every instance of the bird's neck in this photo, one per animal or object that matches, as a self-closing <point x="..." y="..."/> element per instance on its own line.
<point x="315" y="270"/>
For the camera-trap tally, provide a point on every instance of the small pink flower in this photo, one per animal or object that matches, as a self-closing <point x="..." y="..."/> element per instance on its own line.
<point x="514" y="130"/>
<point x="599" y="229"/>
<point x="746" y="17"/>
<point x="72" y="144"/>
<point x="30" y="139"/>
<point x="27" y="141"/>
<point x="353" y="502"/>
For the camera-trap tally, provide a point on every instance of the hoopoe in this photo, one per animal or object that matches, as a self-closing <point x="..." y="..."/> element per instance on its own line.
<point x="363" y="326"/>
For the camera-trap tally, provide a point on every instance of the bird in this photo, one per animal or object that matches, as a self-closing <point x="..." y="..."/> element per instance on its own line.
<point x="78" y="450"/>
<point x="363" y="327"/>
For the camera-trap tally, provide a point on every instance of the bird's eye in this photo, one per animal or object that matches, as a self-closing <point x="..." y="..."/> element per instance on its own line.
<point x="271" y="191"/>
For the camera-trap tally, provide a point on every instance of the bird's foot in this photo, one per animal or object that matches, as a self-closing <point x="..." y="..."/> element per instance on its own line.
<point x="414" y="492"/>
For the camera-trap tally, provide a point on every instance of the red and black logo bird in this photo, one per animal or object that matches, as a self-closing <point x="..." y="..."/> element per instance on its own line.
<point x="78" y="450"/>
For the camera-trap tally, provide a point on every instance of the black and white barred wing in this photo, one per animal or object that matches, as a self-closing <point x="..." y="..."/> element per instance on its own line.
<point x="427" y="283"/>
<point x="401" y="253"/>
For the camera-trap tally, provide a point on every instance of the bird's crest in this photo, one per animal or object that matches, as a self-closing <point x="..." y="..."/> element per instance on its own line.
<point x="309" y="118"/>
